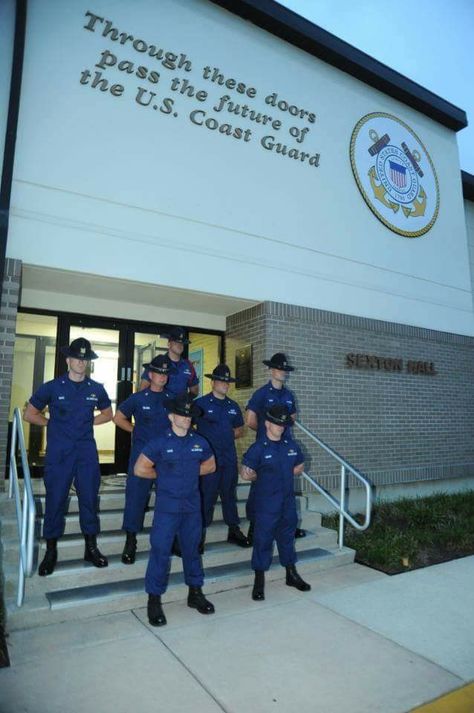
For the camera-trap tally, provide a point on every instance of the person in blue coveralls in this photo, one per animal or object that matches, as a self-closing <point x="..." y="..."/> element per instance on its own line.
<point x="272" y="393"/>
<point x="271" y="464"/>
<point x="150" y="419"/>
<point x="71" y="452"/>
<point x="177" y="459"/>
<point x="221" y="423"/>
<point x="182" y="374"/>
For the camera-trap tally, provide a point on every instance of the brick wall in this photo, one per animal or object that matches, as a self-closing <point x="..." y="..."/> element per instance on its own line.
<point x="394" y="426"/>
<point x="9" y="306"/>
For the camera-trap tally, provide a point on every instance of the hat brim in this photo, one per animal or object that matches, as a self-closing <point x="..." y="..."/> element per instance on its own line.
<point x="172" y="408"/>
<point x="170" y="338"/>
<point x="276" y="366"/>
<point x="88" y="357"/>
<point x="149" y="367"/>
<point x="277" y="422"/>
<point x="228" y="379"/>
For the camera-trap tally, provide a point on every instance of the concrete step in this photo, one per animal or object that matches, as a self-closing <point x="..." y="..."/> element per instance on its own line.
<point x="71" y="546"/>
<point x="113" y="498"/>
<point x="77" y="573"/>
<point x="112" y="519"/>
<point x="88" y="601"/>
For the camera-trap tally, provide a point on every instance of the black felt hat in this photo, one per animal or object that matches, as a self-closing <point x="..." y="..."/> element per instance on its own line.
<point x="278" y="361"/>
<point x="79" y="349"/>
<point x="278" y="414"/>
<point x="183" y="405"/>
<point x="221" y="373"/>
<point x="160" y="364"/>
<point x="176" y="334"/>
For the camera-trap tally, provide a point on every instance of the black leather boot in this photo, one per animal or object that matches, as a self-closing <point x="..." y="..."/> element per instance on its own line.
<point x="92" y="552"/>
<point x="176" y="547"/>
<point x="250" y="534"/>
<point x="300" y="533"/>
<point x="237" y="537"/>
<point x="130" y="549"/>
<point x="293" y="579"/>
<point x="49" y="560"/>
<point x="258" y="591"/>
<point x="156" y="616"/>
<point x="197" y="600"/>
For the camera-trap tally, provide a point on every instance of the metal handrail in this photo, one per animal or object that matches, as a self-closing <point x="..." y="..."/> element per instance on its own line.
<point x="25" y="504"/>
<point x="340" y="505"/>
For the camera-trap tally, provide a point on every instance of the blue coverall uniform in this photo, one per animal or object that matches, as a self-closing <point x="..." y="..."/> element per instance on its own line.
<point x="71" y="452"/>
<point x="181" y="376"/>
<point x="275" y="516"/>
<point x="217" y="422"/>
<point x="177" y="462"/>
<point x="151" y="419"/>
<point x="260" y="401"/>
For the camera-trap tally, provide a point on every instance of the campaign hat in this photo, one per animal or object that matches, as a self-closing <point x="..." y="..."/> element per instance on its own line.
<point x="160" y="364"/>
<point x="79" y="349"/>
<point x="176" y="334"/>
<point x="183" y="405"/>
<point x="221" y="373"/>
<point x="278" y="361"/>
<point x="278" y="414"/>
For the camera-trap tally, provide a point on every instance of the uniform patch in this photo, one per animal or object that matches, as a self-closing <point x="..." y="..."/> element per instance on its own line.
<point x="269" y="456"/>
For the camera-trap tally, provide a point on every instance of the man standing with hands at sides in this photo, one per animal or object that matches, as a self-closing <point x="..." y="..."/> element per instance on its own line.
<point x="221" y="423"/>
<point x="150" y="419"/>
<point x="182" y="374"/>
<point x="271" y="464"/>
<point x="177" y="458"/>
<point x="271" y="394"/>
<point x="71" y="452"/>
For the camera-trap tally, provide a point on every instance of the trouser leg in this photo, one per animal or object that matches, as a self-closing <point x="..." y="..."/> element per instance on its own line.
<point x="165" y="526"/>
<point x="58" y="479"/>
<point x="137" y="494"/>
<point x="263" y="536"/>
<point x="87" y="482"/>
<point x="227" y="491"/>
<point x="285" y="536"/>
<point x="190" y="536"/>
<point x="209" y="491"/>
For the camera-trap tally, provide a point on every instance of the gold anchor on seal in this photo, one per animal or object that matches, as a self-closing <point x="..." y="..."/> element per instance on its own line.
<point x="419" y="206"/>
<point x="379" y="191"/>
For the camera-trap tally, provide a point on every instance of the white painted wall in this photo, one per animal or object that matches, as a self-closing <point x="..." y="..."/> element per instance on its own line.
<point x="469" y="213"/>
<point x="108" y="187"/>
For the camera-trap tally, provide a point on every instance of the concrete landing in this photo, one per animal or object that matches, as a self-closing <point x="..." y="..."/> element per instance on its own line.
<point x="316" y="652"/>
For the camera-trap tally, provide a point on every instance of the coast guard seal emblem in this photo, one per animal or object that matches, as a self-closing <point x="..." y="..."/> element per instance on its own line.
<point x="395" y="174"/>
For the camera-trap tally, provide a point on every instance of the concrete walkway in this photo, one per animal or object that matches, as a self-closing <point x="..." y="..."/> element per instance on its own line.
<point x="360" y="641"/>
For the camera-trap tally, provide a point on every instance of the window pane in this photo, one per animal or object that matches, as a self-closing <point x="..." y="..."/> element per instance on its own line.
<point x="33" y="364"/>
<point x="204" y="353"/>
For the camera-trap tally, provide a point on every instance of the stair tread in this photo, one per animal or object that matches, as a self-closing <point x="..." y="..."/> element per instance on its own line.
<point x="63" y="597"/>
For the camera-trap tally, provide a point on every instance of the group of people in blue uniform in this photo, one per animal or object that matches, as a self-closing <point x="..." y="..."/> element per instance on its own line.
<point x="186" y="446"/>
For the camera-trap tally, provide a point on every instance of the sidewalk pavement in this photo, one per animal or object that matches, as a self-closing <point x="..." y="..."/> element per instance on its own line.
<point x="360" y="641"/>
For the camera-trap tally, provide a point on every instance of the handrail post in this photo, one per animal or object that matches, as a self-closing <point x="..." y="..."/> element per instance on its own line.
<point x="343" y="506"/>
<point x="12" y="455"/>
<point x="24" y="504"/>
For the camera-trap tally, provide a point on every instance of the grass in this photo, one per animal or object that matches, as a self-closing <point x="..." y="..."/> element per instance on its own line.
<point x="412" y="533"/>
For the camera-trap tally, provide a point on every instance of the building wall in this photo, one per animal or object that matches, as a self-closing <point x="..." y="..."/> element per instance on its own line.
<point x="9" y="305"/>
<point x="393" y="426"/>
<point x="469" y="213"/>
<point x="154" y="196"/>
